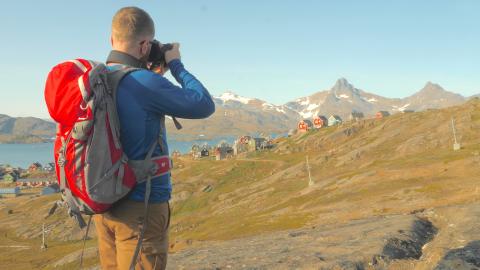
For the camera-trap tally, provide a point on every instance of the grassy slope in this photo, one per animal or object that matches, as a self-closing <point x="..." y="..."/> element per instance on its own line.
<point x="395" y="165"/>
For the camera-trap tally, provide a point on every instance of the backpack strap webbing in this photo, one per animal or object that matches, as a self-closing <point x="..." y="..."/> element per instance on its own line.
<point x="85" y="240"/>
<point x="148" y="189"/>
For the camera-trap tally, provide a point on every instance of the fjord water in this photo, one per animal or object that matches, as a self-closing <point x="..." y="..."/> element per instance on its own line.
<point x="22" y="155"/>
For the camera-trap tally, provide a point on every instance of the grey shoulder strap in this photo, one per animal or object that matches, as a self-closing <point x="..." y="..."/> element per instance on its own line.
<point x="115" y="76"/>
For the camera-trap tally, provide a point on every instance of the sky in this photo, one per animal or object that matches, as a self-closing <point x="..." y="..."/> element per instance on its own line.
<point x="276" y="51"/>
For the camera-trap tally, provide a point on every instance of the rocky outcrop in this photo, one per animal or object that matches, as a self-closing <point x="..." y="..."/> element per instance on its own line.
<point x="360" y="244"/>
<point x="467" y="257"/>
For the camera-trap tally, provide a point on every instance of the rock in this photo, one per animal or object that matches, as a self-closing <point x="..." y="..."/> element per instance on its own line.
<point x="467" y="258"/>
<point x="409" y="245"/>
<point x="295" y="234"/>
<point x="207" y="188"/>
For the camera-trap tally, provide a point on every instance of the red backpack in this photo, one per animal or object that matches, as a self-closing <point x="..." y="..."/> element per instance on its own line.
<point x="92" y="169"/>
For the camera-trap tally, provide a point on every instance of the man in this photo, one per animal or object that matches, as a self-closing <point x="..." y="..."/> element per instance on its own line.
<point x="144" y="98"/>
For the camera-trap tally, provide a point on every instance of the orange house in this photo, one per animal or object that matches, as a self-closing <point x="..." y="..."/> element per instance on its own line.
<point x="304" y="125"/>
<point x="382" y="114"/>
<point x="320" y="121"/>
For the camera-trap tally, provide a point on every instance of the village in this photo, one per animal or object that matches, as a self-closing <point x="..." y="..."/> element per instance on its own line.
<point x="13" y="180"/>
<point x="247" y="144"/>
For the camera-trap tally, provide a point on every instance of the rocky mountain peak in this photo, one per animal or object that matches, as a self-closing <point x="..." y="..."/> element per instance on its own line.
<point x="430" y="86"/>
<point x="343" y="89"/>
<point x="342" y="84"/>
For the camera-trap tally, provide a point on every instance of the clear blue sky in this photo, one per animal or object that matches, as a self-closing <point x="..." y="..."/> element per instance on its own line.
<point x="272" y="50"/>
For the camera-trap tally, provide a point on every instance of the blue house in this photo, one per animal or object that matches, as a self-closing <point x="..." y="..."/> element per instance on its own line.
<point x="9" y="192"/>
<point x="48" y="190"/>
<point x="334" y="120"/>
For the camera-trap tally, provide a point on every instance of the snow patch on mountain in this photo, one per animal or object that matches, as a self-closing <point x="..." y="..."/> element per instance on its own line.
<point x="305" y="102"/>
<point x="230" y="96"/>
<point x="307" y="114"/>
<point x="312" y="107"/>
<point x="269" y="106"/>
<point x="400" y="109"/>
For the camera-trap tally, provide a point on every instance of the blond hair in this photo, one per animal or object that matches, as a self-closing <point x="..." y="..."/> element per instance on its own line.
<point x="130" y="24"/>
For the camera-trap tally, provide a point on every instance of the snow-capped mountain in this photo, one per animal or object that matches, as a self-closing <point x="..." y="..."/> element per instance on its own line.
<point x="343" y="98"/>
<point x="232" y="100"/>
<point x="238" y="115"/>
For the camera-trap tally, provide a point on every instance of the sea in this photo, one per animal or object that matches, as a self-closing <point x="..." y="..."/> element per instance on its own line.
<point x="22" y="155"/>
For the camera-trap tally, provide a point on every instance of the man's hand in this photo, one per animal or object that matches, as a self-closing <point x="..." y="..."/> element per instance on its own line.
<point x="174" y="53"/>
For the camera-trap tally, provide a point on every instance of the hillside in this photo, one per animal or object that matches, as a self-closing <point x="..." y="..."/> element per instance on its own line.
<point x="386" y="194"/>
<point x="25" y="129"/>
<point x="236" y="116"/>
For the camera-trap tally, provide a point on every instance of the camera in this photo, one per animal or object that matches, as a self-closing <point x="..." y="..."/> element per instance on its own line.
<point x="157" y="53"/>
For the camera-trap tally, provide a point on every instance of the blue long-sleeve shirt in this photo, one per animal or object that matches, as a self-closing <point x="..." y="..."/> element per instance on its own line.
<point x="143" y="100"/>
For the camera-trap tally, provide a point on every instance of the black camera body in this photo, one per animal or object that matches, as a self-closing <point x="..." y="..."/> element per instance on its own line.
<point x="157" y="53"/>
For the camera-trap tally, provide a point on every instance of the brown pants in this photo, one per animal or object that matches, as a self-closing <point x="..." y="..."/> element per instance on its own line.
<point x="118" y="231"/>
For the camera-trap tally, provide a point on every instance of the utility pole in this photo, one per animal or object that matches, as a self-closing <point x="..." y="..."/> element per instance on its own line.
<point x="44" y="244"/>
<point x="310" y="182"/>
<point x="456" y="145"/>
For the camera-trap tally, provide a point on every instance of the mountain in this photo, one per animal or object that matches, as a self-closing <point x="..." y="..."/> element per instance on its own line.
<point x="343" y="98"/>
<point x="433" y="96"/>
<point x="236" y="115"/>
<point x="25" y="129"/>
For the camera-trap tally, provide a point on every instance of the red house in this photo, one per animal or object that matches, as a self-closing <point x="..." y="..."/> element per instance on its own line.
<point x="304" y="125"/>
<point x="381" y="114"/>
<point x="320" y="121"/>
<point x="35" y="167"/>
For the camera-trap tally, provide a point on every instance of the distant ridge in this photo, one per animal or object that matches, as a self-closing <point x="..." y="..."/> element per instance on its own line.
<point x="25" y="129"/>
<point x="237" y="115"/>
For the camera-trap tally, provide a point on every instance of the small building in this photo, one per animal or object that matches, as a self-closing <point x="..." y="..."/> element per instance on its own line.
<point x="35" y="167"/>
<point x="304" y="125"/>
<point x="334" y="120"/>
<point x="266" y="144"/>
<point x="50" y="167"/>
<point x="241" y="145"/>
<point x="292" y="132"/>
<point x="382" y="114"/>
<point x="49" y="190"/>
<point x="9" y="192"/>
<point x="195" y="151"/>
<point x="9" y="178"/>
<point x="320" y="121"/>
<point x="176" y="154"/>
<point x="205" y="152"/>
<point x="255" y="144"/>
<point x="356" y="116"/>
<point x="223" y="151"/>
<point x="13" y="171"/>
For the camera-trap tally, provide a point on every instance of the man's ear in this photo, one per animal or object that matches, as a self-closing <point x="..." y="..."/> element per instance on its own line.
<point x="111" y="41"/>
<point x="144" y="48"/>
